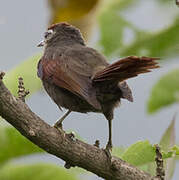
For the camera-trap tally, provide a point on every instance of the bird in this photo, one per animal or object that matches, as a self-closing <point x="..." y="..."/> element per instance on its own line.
<point x="79" y="78"/>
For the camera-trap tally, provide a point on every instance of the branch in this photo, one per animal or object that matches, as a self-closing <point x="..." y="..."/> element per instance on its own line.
<point x="65" y="146"/>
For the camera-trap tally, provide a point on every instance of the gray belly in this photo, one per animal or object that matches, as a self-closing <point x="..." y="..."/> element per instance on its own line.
<point x="68" y="100"/>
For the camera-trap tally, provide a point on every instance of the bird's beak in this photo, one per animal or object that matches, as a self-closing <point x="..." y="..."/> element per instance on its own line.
<point x="42" y="43"/>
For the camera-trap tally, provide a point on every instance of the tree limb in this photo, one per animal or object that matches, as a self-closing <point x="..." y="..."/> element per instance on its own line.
<point x="73" y="151"/>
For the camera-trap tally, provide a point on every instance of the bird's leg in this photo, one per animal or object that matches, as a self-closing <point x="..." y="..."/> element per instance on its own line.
<point x="108" y="148"/>
<point x="109" y="144"/>
<point x="58" y="124"/>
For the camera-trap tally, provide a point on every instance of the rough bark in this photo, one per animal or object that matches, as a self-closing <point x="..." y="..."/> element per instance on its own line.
<point x="73" y="151"/>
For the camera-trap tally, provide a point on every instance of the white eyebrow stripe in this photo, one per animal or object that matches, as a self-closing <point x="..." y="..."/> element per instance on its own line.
<point x="50" y="31"/>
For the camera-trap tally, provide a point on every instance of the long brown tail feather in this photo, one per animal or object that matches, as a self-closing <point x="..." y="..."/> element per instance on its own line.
<point x="126" y="68"/>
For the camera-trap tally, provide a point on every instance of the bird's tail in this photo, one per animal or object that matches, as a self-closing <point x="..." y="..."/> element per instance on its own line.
<point x="126" y="68"/>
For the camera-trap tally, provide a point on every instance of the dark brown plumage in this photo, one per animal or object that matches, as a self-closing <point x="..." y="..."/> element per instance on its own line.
<point x="80" y="79"/>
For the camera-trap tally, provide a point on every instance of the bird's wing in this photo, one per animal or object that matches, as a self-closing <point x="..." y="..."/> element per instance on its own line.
<point x="69" y="73"/>
<point x="125" y="68"/>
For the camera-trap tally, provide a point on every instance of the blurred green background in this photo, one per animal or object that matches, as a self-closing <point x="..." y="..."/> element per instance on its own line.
<point x="117" y="28"/>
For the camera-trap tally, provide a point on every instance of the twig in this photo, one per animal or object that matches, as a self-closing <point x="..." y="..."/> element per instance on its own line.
<point x="2" y="74"/>
<point x="160" y="171"/>
<point x="22" y="93"/>
<point x="73" y="151"/>
<point x="97" y="143"/>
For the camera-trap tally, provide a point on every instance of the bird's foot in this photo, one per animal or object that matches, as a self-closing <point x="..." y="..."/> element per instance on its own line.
<point x="108" y="151"/>
<point x="58" y="125"/>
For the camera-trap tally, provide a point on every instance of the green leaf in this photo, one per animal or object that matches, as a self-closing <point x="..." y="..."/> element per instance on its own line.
<point x="142" y="153"/>
<point x="160" y="44"/>
<point x="168" y="138"/>
<point x="111" y="35"/>
<point x="28" y="71"/>
<point x="176" y="149"/>
<point x="112" y="26"/>
<point x="165" y="92"/>
<point x="118" y="151"/>
<point x="168" y="154"/>
<point x="35" y="171"/>
<point x="149" y="167"/>
<point x="139" y="153"/>
<point x="13" y="144"/>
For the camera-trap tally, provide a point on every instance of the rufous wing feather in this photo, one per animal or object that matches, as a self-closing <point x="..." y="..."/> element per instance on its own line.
<point x="62" y="75"/>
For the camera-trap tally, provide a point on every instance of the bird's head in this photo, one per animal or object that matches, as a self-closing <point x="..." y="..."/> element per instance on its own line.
<point x="61" y="33"/>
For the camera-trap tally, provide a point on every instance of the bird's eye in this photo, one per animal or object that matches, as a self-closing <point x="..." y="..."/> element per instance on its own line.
<point x="47" y="33"/>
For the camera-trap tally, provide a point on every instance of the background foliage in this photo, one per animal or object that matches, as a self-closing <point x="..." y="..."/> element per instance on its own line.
<point x="114" y="24"/>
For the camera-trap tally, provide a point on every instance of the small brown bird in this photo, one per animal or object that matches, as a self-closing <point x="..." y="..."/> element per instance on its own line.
<point x="80" y="79"/>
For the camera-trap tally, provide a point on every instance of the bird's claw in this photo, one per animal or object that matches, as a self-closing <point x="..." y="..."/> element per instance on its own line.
<point x="108" y="151"/>
<point x="58" y="126"/>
